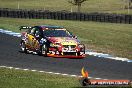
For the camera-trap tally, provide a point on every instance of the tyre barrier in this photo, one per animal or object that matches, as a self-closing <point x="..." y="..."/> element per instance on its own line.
<point x="45" y="14"/>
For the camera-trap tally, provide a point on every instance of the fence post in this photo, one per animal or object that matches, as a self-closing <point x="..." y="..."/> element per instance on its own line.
<point x="98" y="18"/>
<point x="102" y="18"/>
<point x="130" y="19"/>
<point x="0" y="12"/>
<point x="127" y="19"/>
<point x="93" y="17"/>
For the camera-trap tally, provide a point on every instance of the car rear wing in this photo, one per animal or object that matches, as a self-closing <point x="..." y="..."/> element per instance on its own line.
<point x="24" y="27"/>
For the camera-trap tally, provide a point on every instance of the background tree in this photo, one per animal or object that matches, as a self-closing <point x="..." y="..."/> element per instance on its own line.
<point x="128" y="4"/>
<point x="78" y="3"/>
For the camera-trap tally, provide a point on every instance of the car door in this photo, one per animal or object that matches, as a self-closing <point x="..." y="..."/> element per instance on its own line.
<point x="33" y="42"/>
<point x="37" y="37"/>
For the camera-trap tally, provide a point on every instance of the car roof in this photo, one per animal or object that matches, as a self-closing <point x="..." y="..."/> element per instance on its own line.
<point x="51" y="27"/>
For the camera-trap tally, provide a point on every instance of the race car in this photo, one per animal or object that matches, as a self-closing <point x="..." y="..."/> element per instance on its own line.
<point x="48" y="40"/>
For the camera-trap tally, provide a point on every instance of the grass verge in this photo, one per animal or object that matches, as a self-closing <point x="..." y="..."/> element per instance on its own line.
<point x="103" y="6"/>
<point x="11" y="78"/>
<point x="109" y="38"/>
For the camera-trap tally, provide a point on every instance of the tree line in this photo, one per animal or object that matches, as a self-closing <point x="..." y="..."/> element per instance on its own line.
<point x="78" y="3"/>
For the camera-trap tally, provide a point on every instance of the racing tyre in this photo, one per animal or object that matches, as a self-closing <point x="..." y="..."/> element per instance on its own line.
<point x="44" y="50"/>
<point x="23" y="47"/>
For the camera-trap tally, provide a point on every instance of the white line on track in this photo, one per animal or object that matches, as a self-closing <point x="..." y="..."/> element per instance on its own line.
<point x="10" y="67"/>
<point x="63" y="74"/>
<point x="87" y="52"/>
<point x="25" y="69"/>
<point x="41" y="71"/>
<point x="33" y="70"/>
<point x="57" y="73"/>
<point x="17" y="68"/>
<point x="97" y="78"/>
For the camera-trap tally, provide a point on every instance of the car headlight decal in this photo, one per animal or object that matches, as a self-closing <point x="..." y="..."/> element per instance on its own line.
<point x="55" y="45"/>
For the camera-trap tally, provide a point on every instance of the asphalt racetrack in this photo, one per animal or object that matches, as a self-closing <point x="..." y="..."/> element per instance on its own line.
<point x="97" y="68"/>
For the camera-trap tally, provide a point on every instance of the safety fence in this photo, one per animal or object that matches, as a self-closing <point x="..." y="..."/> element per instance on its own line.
<point x="43" y="14"/>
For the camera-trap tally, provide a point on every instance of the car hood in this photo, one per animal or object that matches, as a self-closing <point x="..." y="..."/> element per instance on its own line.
<point x="64" y="40"/>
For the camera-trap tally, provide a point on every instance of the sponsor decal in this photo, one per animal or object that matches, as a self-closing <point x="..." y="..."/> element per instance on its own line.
<point x="89" y="52"/>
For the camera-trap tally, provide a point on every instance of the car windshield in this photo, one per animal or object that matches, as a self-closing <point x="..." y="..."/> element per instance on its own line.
<point x="56" y="33"/>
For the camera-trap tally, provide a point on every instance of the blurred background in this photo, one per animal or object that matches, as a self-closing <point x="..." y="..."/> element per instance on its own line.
<point x="88" y="6"/>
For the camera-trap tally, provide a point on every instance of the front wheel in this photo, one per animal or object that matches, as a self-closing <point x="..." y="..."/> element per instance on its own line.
<point x="44" y="50"/>
<point x="23" y="47"/>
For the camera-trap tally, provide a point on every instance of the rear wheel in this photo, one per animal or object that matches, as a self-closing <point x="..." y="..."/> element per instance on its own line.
<point x="23" y="47"/>
<point x="44" y="50"/>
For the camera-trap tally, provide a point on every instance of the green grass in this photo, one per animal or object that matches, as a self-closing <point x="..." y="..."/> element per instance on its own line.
<point x="109" y="38"/>
<point x="10" y="78"/>
<point x="105" y="6"/>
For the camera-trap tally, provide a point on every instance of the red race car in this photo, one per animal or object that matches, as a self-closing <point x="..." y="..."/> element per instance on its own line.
<point x="53" y="41"/>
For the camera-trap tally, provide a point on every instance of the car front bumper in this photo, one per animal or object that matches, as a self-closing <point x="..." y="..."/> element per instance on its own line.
<point x="67" y="56"/>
